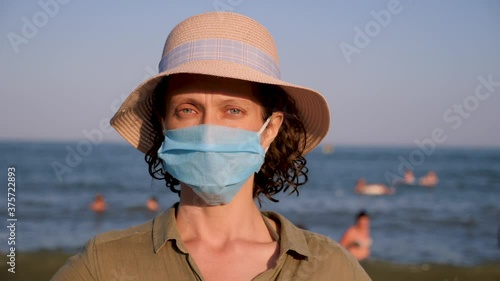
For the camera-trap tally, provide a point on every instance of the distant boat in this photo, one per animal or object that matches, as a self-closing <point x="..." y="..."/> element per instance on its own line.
<point x="327" y="148"/>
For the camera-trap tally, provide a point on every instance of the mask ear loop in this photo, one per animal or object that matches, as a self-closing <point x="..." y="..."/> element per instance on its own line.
<point x="262" y="130"/>
<point x="264" y="126"/>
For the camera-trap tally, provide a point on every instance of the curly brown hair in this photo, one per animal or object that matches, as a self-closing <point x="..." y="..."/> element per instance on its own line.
<point x="284" y="167"/>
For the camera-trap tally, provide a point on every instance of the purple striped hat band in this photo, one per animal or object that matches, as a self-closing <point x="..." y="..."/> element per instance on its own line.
<point x="220" y="49"/>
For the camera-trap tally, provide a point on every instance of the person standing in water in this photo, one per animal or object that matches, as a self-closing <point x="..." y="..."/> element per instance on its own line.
<point x="357" y="238"/>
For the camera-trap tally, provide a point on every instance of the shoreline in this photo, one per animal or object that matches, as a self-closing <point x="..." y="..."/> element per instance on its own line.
<point x="389" y="271"/>
<point x="42" y="265"/>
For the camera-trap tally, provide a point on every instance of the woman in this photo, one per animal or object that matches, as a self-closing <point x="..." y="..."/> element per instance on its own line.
<point x="357" y="238"/>
<point x="220" y="127"/>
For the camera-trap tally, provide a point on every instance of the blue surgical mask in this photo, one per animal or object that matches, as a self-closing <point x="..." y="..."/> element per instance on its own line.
<point x="214" y="161"/>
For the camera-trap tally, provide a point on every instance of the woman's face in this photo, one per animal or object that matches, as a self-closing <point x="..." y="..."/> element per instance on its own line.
<point x="196" y="100"/>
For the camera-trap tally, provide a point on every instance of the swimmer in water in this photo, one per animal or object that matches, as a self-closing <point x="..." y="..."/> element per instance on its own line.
<point x="357" y="238"/>
<point x="429" y="180"/>
<point x="152" y="204"/>
<point x="372" y="189"/>
<point x="409" y="177"/>
<point x="98" y="205"/>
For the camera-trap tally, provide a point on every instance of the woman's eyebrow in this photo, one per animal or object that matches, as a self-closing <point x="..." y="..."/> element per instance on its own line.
<point x="185" y="99"/>
<point x="199" y="101"/>
<point x="235" y="100"/>
<point x="180" y="99"/>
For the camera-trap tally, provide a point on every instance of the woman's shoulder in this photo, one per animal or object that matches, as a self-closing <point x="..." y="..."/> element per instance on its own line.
<point x="316" y="243"/>
<point x="107" y="252"/>
<point x="115" y="252"/>
<point x="135" y="234"/>
<point x="319" y="255"/>
<point x="129" y="233"/>
<point x="322" y="245"/>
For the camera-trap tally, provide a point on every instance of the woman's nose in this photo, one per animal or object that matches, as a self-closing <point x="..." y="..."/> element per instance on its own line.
<point x="209" y="116"/>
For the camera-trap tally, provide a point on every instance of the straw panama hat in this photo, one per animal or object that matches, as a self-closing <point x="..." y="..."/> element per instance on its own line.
<point x="221" y="44"/>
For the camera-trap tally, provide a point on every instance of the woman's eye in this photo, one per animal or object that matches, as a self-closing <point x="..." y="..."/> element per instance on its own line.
<point x="186" y="110"/>
<point x="234" y="111"/>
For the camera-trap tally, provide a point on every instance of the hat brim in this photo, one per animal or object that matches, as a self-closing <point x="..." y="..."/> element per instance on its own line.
<point x="132" y="118"/>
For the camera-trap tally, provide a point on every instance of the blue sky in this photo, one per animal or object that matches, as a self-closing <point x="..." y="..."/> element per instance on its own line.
<point x="417" y="73"/>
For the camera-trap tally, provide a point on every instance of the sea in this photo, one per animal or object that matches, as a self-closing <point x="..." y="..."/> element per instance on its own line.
<point x="456" y="222"/>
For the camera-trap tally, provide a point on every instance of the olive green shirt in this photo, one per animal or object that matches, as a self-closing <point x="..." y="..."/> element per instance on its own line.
<point x="155" y="251"/>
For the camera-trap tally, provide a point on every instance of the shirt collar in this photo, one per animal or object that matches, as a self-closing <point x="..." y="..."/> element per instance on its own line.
<point x="165" y="229"/>
<point x="292" y="238"/>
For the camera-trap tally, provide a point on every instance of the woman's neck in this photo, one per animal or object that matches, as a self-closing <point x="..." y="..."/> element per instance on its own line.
<point x="238" y="220"/>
